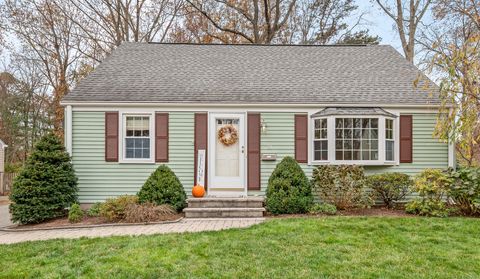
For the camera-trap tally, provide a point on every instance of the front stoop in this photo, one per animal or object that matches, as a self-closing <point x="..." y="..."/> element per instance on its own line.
<point x="224" y="207"/>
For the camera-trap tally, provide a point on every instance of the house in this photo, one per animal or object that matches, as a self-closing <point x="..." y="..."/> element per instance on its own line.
<point x="247" y="106"/>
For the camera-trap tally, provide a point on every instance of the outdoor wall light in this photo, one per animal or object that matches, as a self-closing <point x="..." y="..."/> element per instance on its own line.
<point x="263" y="126"/>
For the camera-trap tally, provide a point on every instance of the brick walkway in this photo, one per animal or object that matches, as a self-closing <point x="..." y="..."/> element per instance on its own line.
<point x="185" y="225"/>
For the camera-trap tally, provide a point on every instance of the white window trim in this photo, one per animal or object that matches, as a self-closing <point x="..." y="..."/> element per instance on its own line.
<point x="395" y="155"/>
<point x="331" y="142"/>
<point x="123" y="131"/>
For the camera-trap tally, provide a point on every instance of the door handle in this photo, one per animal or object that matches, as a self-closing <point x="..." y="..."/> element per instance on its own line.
<point x="243" y="149"/>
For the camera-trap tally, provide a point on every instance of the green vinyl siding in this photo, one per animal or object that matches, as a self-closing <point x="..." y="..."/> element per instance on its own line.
<point x="278" y="139"/>
<point x="99" y="180"/>
<point x="428" y="152"/>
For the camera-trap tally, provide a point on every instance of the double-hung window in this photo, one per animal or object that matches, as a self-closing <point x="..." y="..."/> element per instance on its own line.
<point x="389" y="140"/>
<point x="320" y="141"/>
<point x="137" y="137"/>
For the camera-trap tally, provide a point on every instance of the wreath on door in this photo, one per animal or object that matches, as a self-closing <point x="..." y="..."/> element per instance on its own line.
<point x="228" y="135"/>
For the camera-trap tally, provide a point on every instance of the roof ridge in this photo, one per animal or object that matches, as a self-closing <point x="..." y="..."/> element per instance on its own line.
<point x="260" y="45"/>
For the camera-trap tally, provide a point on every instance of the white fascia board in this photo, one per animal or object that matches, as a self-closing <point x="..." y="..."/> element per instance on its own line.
<point x="244" y="105"/>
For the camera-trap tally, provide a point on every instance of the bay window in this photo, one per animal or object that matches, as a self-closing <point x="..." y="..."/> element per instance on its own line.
<point x="353" y="136"/>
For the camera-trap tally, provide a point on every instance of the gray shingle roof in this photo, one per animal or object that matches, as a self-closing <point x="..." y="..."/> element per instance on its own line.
<point x="352" y="111"/>
<point x="186" y="73"/>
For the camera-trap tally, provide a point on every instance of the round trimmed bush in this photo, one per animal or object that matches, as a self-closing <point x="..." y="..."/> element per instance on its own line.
<point x="163" y="187"/>
<point x="289" y="190"/>
<point x="391" y="187"/>
<point x="47" y="184"/>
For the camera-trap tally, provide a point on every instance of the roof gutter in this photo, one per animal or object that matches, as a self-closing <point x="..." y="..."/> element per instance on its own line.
<point x="285" y="105"/>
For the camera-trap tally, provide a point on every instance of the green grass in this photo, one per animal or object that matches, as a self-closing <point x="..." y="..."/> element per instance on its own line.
<point x="336" y="247"/>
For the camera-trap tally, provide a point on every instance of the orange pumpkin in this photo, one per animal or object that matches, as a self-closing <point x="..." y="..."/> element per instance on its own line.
<point x="198" y="191"/>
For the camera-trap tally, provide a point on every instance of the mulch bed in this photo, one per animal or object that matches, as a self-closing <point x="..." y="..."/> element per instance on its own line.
<point x="376" y="211"/>
<point x="87" y="221"/>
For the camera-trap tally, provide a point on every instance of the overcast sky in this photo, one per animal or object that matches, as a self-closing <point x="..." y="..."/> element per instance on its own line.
<point x="376" y="21"/>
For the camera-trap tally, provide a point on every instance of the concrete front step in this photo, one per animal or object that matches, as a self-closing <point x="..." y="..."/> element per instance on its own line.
<point x="226" y="212"/>
<point x="208" y="202"/>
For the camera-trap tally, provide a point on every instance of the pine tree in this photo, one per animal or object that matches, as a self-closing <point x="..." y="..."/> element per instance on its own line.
<point x="47" y="184"/>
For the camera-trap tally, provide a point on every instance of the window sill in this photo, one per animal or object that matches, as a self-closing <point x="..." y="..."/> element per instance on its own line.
<point x="131" y="161"/>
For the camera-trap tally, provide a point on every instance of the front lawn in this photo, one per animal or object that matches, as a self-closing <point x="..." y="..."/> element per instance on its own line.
<point x="369" y="247"/>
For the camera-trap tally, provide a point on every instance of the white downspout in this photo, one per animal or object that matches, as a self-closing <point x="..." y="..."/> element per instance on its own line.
<point x="68" y="129"/>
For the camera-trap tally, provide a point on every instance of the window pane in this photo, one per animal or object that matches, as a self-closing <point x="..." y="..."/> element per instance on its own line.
<point x="374" y="144"/>
<point x="324" y="133"/>
<point x="339" y="123"/>
<point x="339" y="133"/>
<point x="347" y="155"/>
<point x="324" y="155"/>
<point x="374" y="123"/>
<point x="338" y="155"/>
<point x="365" y="155"/>
<point x="316" y="145"/>
<point x="137" y="153"/>
<point x="356" y="144"/>
<point x="317" y="156"/>
<point x="374" y="134"/>
<point x="356" y="154"/>
<point x="365" y="134"/>
<point x="324" y="144"/>
<point x="389" y="146"/>
<point x="365" y="144"/>
<point x="129" y="143"/>
<point x="146" y="153"/>
<point x="347" y="144"/>
<point x="374" y="155"/>
<point x="348" y="122"/>
<point x="339" y="144"/>
<point x="317" y="134"/>
<point x="347" y="134"/>
<point x="324" y="123"/>
<point x="129" y="153"/>
<point x="357" y="133"/>
<point x="357" y="122"/>
<point x="366" y="123"/>
<point x="317" y="123"/>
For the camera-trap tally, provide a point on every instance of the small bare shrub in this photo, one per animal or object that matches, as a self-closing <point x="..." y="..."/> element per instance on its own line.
<point x="114" y="209"/>
<point x="148" y="212"/>
<point x="342" y="186"/>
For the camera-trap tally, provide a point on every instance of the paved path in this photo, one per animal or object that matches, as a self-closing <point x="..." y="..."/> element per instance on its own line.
<point x="185" y="225"/>
<point x="4" y="216"/>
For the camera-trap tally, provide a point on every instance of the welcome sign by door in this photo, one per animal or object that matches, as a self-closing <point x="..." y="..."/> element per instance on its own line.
<point x="201" y="167"/>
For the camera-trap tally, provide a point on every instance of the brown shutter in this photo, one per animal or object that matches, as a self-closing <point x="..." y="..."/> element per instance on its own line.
<point x="253" y="151"/>
<point x="406" y="139"/>
<point x="111" y="136"/>
<point x="161" y="137"/>
<point x="200" y="142"/>
<point x="301" y="138"/>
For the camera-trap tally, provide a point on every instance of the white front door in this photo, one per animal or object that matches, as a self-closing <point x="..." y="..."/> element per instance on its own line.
<point x="226" y="153"/>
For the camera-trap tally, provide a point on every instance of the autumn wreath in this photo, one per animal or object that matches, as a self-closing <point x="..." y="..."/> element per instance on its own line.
<point x="228" y="135"/>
